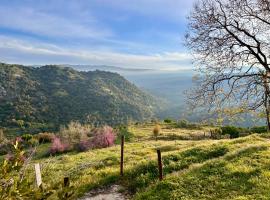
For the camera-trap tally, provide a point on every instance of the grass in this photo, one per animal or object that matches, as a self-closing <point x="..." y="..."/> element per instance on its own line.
<point x="243" y="173"/>
<point x="193" y="168"/>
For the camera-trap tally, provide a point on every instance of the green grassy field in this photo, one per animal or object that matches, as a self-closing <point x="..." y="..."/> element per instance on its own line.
<point x="194" y="167"/>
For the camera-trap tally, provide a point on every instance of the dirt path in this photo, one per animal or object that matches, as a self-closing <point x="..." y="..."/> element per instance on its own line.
<point x="109" y="193"/>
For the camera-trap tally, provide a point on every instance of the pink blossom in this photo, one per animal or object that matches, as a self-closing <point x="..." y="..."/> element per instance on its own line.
<point x="57" y="146"/>
<point x="103" y="137"/>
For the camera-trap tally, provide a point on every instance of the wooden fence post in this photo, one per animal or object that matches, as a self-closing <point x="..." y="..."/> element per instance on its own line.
<point x="122" y="155"/>
<point x="38" y="174"/>
<point x="66" y="182"/>
<point x="160" y="165"/>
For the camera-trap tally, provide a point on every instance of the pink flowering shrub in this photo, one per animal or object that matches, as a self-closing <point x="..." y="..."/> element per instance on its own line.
<point x="80" y="138"/>
<point x="58" y="146"/>
<point x="103" y="137"/>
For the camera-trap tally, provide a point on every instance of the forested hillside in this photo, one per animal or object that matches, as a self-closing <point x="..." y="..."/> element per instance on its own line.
<point x="49" y="96"/>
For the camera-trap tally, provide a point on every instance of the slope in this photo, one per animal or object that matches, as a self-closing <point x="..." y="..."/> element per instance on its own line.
<point x="56" y="95"/>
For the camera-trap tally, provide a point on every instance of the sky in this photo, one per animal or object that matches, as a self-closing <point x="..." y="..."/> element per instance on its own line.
<point x="125" y="33"/>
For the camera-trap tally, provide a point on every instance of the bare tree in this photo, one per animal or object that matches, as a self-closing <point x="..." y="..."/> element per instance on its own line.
<point x="230" y="41"/>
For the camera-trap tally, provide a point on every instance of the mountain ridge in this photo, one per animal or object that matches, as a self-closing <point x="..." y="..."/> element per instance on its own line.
<point x="57" y="95"/>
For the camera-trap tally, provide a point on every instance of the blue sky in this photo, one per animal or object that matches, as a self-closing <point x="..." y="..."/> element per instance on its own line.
<point x="124" y="33"/>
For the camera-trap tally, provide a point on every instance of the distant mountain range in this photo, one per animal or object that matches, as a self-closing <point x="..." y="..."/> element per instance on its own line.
<point x="56" y="95"/>
<point x="101" y="68"/>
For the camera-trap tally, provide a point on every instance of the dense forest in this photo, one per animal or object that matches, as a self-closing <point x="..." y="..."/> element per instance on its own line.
<point x="48" y="96"/>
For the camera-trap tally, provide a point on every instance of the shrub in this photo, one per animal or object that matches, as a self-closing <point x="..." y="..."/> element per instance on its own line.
<point x="10" y="173"/>
<point x="243" y="131"/>
<point x="185" y="124"/>
<point x="103" y="137"/>
<point x="194" y="126"/>
<point x="123" y="131"/>
<point x="168" y="120"/>
<point x="258" y="129"/>
<point x="20" y="123"/>
<point x="215" y="133"/>
<point x="58" y="146"/>
<point x="3" y="138"/>
<point x="15" y="182"/>
<point x="45" y="137"/>
<point x="156" y="131"/>
<point x="226" y="136"/>
<point x="26" y="137"/>
<point x="230" y="130"/>
<point x="5" y="145"/>
<point x="182" y="123"/>
<point x="84" y="145"/>
<point x="5" y="148"/>
<point x="29" y="140"/>
<point x="74" y="133"/>
<point x="33" y="142"/>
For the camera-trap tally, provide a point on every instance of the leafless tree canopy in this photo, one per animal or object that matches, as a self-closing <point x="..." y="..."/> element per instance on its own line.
<point x="230" y="40"/>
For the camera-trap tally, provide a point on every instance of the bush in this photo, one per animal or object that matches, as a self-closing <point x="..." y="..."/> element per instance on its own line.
<point x="123" y="131"/>
<point x="244" y="131"/>
<point x="230" y="130"/>
<point x="58" y="146"/>
<point x="10" y="173"/>
<point x="168" y="120"/>
<point x="215" y="133"/>
<point x="5" y="148"/>
<point x="194" y="126"/>
<point x="103" y="137"/>
<point x="182" y="123"/>
<point x="26" y="137"/>
<point x="45" y="137"/>
<point x="156" y="131"/>
<point x="5" y="145"/>
<point x="29" y="140"/>
<point x="258" y="129"/>
<point x="3" y="138"/>
<point x="84" y="145"/>
<point x="74" y="133"/>
<point x="185" y="124"/>
<point x="15" y="182"/>
<point x="33" y="142"/>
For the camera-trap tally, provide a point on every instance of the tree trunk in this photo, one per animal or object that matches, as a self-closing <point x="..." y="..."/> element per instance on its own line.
<point x="267" y="99"/>
<point x="267" y="112"/>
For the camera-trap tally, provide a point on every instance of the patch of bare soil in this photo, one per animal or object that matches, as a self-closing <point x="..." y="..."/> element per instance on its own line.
<point x="113" y="192"/>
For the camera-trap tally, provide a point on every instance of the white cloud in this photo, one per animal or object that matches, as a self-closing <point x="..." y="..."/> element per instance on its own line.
<point x="29" y="52"/>
<point x="35" y="21"/>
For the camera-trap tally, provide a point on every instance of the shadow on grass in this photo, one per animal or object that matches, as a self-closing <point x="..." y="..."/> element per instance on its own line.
<point x="234" y="177"/>
<point x="144" y="174"/>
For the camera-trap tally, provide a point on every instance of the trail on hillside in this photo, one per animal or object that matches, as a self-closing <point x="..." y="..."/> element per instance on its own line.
<point x="109" y="193"/>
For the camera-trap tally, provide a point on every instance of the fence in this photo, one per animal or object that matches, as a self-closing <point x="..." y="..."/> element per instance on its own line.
<point x="66" y="181"/>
